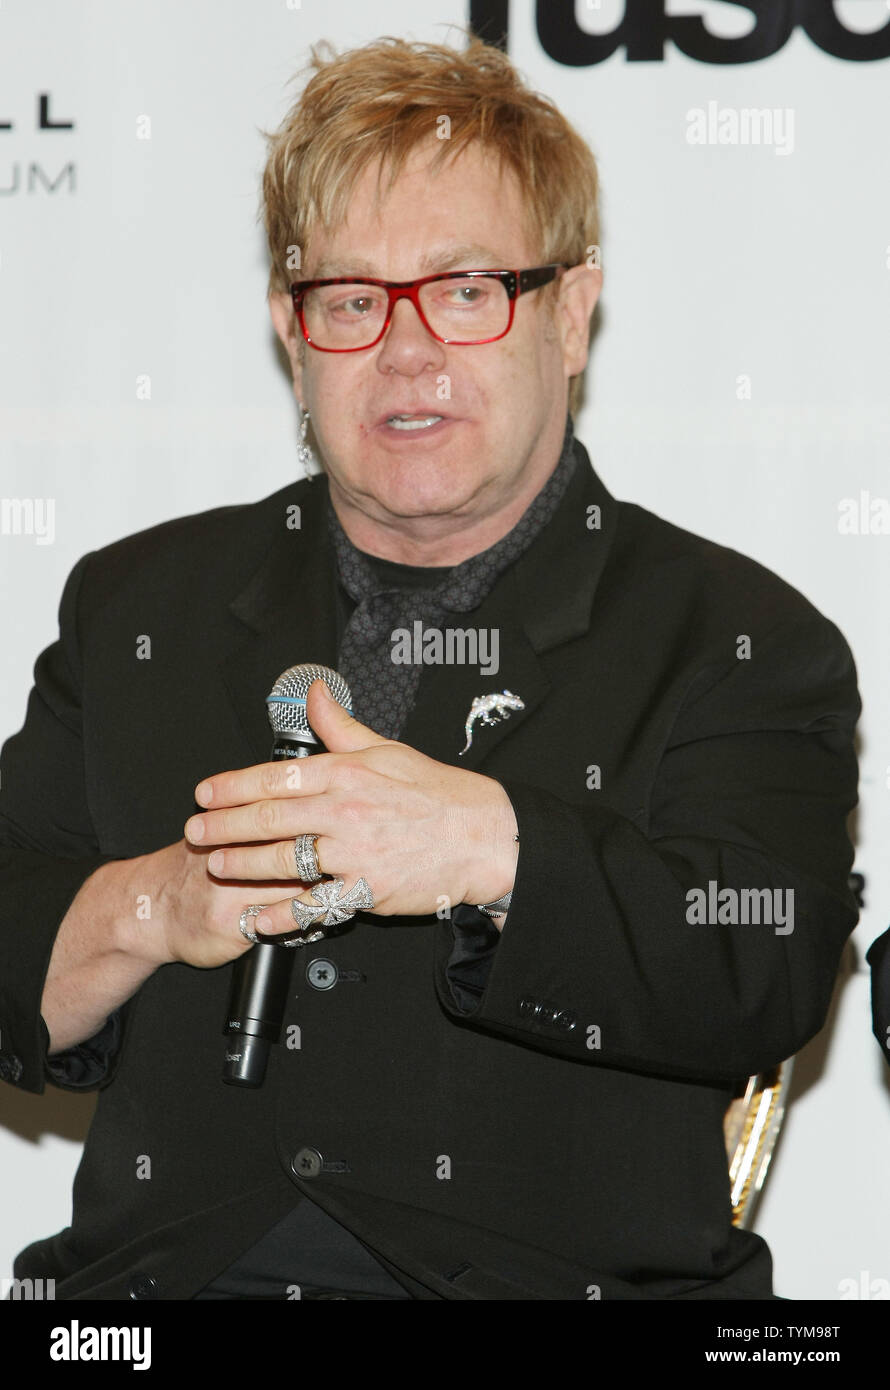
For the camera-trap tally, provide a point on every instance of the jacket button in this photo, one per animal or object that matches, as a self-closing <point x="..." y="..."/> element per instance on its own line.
<point x="322" y="974"/>
<point x="307" y="1163"/>
<point x="143" y="1286"/>
<point x="10" y="1067"/>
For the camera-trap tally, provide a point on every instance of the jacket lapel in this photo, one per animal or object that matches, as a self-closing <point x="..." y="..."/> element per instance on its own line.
<point x="287" y="612"/>
<point x="540" y="602"/>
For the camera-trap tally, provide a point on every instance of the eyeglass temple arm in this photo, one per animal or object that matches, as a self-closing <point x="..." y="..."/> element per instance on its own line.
<point x="541" y="275"/>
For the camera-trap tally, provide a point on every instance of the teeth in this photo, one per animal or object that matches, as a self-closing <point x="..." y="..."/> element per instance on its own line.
<point x="413" y="422"/>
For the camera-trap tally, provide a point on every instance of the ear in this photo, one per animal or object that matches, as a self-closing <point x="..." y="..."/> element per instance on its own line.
<point x="579" y="289"/>
<point x="285" y="323"/>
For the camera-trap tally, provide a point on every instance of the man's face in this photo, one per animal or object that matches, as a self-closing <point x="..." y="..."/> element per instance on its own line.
<point x="503" y="403"/>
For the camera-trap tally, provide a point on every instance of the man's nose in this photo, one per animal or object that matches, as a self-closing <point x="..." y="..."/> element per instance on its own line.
<point x="407" y="344"/>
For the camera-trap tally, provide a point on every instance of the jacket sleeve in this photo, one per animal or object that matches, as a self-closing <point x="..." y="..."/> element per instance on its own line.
<point x="48" y="848"/>
<point x="622" y="946"/>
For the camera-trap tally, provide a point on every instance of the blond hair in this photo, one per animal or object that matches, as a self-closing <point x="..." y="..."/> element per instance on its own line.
<point x="382" y="100"/>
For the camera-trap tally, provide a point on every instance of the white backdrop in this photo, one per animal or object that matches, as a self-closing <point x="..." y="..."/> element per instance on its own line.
<point x="738" y="388"/>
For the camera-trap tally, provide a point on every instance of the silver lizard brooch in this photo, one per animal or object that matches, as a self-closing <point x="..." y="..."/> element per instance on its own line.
<point x="491" y="709"/>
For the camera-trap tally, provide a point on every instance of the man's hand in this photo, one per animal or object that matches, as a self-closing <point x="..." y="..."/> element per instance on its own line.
<point x="420" y="832"/>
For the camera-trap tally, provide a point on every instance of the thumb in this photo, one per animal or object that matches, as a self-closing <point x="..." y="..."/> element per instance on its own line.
<point x="335" y="726"/>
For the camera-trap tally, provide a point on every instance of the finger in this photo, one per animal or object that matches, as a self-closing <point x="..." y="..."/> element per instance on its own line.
<point x="279" y="916"/>
<point x="289" y="777"/>
<point x="276" y="920"/>
<point x="339" y="733"/>
<point x="337" y="729"/>
<point x="270" y="861"/>
<point x="261" y="821"/>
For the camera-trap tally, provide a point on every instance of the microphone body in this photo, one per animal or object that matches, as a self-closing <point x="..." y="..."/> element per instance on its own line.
<point x="261" y="976"/>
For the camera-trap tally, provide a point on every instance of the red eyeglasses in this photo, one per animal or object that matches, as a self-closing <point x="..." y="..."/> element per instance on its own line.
<point x="461" y="307"/>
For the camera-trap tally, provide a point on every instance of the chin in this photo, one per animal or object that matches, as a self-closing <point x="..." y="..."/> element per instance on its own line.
<point x="411" y="501"/>
<point x="417" y="487"/>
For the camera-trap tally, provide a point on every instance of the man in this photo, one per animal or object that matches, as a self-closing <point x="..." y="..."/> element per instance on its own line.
<point x="507" y="1073"/>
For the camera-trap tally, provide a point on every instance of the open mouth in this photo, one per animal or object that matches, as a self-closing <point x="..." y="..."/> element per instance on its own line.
<point x="413" y="422"/>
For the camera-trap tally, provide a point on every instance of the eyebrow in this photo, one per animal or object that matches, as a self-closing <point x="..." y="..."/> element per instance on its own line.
<point x="468" y="256"/>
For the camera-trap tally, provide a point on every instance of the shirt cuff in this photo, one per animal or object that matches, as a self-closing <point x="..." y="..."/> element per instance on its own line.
<point x="469" y="965"/>
<point x="87" y="1065"/>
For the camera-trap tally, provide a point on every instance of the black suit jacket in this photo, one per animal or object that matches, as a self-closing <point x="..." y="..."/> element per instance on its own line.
<point x="579" y="1102"/>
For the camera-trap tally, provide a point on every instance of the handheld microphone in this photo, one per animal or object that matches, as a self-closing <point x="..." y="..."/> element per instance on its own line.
<point x="261" y="976"/>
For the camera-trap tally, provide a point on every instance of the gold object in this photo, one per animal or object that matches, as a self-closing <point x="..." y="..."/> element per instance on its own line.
<point x="750" y="1128"/>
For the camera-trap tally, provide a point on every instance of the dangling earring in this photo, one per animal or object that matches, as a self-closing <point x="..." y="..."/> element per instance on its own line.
<point x="305" y="454"/>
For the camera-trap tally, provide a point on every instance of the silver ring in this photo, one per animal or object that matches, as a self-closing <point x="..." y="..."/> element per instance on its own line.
<point x="306" y="859"/>
<point x="303" y="939"/>
<point x="242" y="923"/>
<point x="333" y="909"/>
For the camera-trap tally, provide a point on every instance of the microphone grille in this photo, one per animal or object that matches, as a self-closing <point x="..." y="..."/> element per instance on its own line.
<point x="286" y="701"/>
